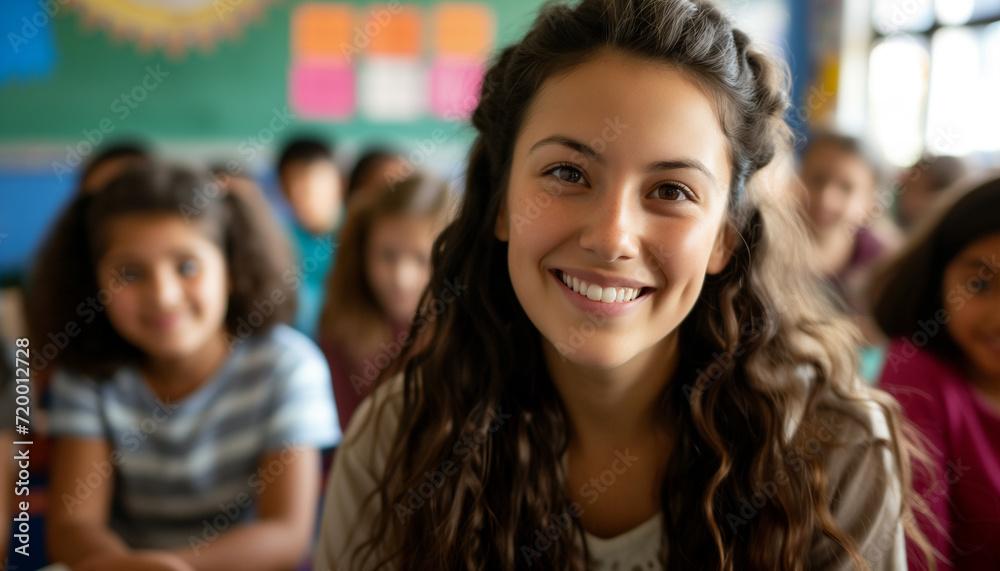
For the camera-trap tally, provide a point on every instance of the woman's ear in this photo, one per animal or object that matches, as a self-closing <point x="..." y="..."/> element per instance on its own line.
<point x="725" y="243"/>
<point x="501" y="229"/>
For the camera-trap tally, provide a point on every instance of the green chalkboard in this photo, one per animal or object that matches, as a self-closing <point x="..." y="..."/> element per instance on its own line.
<point x="230" y="93"/>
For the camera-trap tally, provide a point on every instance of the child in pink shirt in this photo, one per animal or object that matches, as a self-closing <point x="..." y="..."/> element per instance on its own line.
<point x="941" y="301"/>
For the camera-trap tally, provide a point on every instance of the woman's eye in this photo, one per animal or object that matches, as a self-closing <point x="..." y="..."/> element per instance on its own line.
<point x="188" y="268"/>
<point x="670" y="192"/>
<point x="130" y="274"/>
<point x="566" y="174"/>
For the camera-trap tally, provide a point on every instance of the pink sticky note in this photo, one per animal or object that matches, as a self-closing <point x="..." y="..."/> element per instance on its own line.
<point x="321" y="89"/>
<point x="455" y="88"/>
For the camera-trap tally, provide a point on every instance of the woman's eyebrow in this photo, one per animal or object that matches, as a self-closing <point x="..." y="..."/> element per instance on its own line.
<point x="588" y="152"/>
<point x="682" y="163"/>
<point x="569" y="143"/>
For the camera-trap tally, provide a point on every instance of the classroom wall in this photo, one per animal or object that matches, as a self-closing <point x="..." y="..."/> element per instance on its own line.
<point x="230" y="100"/>
<point x="73" y="83"/>
<point x="228" y="91"/>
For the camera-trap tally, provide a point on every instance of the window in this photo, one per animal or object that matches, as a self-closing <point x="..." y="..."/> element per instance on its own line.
<point x="934" y="78"/>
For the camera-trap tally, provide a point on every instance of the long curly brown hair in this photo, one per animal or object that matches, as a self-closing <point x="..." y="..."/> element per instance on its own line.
<point x="763" y="310"/>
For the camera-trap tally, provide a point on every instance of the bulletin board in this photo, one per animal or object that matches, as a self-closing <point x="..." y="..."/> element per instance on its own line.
<point x="359" y="70"/>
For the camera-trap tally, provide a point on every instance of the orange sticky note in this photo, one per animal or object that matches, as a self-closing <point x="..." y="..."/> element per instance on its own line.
<point x="393" y="29"/>
<point x="463" y="29"/>
<point x="321" y="30"/>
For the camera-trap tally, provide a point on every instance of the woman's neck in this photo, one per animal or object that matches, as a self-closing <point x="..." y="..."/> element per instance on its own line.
<point x="616" y="435"/>
<point x="619" y="406"/>
<point x="176" y="377"/>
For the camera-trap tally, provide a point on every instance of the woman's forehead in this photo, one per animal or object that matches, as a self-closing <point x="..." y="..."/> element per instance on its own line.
<point x="623" y="107"/>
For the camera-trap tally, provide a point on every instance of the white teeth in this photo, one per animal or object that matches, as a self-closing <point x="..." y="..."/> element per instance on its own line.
<point x="609" y="294"/>
<point x="595" y="292"/>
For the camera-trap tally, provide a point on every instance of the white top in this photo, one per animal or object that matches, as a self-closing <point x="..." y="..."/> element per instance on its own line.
<point x="864" y="494"/>
<point x="634" y="550"/>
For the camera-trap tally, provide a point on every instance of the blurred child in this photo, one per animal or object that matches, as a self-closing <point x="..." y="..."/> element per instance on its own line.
<point x="840" y="179"/>
<point x="940" y="301"/>
<point x="840" y="182"/>
<point x="312" y="185"/>
<point x="382" y="269"/>
<point x="109" y="163"/>
<point x="376" y="169"/>
<point x="186" y="416"/>
<point x="628" y="366"/>
<point x="923" y="183"/>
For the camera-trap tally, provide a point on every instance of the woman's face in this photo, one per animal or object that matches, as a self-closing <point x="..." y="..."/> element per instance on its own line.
<point x="397" y="263"/>
<point x="619" y="179"/>
<point x="971" y="291"/>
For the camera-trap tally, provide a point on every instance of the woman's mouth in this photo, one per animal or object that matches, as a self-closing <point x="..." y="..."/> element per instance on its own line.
<point x="604" y="294"/>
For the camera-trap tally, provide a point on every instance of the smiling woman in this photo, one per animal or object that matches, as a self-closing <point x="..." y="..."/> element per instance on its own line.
<point x="611" y="210"/>
<point x="638" y="292"/>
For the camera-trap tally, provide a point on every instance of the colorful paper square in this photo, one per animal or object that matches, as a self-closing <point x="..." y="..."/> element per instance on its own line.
<point x="455" y="86"/>
<point x="463" y="29"/>
<point x="322" y="90"/>
<point x="321" y="30"/>
<point x="393" y="89"/>
<point x="393" y="30"/>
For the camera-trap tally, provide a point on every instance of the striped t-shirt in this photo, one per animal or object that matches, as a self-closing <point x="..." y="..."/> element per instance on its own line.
<point x="187" y="470"/>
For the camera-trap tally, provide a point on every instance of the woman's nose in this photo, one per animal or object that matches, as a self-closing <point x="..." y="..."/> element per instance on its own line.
<point x="612" y="226"/>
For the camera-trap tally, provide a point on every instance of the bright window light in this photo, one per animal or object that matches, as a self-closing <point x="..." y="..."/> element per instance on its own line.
<point x="989" y="130"/>
<point x="954" y="12"/>
<point x="892" y="16"/>
<point x="955" y="105"/>
<point x="897" y="90"/>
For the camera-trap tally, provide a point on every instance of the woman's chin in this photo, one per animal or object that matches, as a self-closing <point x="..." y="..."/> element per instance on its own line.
<point x="591" y="354"/>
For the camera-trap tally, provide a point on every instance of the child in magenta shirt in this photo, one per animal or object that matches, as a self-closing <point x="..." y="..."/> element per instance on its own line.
<point x="941" y="301"/>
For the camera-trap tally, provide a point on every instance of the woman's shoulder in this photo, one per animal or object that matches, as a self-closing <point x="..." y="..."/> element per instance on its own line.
<point x="375" y="421"/>
<point x="852" y="434"/>
<point x="850" y="413"/>
<point x="847" y="427"/>
<point x="352" y="504"/>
